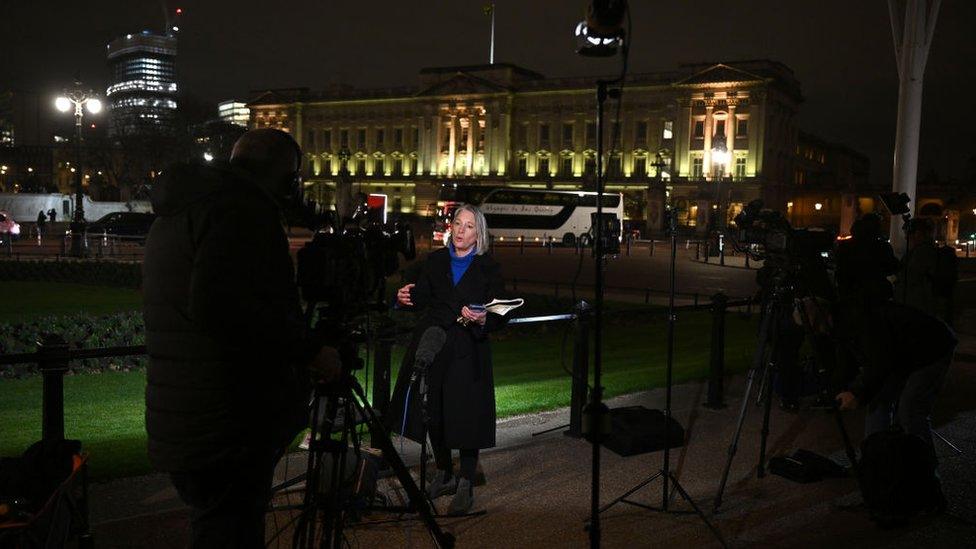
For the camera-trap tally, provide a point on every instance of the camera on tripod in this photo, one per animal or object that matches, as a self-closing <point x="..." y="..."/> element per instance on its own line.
<point x="767" y="234"/>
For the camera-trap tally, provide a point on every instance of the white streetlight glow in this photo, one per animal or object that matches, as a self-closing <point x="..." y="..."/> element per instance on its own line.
<point x="62" y="103"/>
<point x="94" y="106"/>
<point x="818" y="206"/>
<point x="208" y="157"/>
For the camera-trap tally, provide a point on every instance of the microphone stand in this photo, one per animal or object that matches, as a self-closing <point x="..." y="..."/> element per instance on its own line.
<point x="420" y="372"/>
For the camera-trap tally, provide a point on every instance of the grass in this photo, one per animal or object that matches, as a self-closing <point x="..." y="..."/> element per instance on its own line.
<point x="106" y="410"/>
<point x="24" y="300"/>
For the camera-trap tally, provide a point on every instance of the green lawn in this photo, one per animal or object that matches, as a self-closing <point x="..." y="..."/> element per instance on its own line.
<point x="106" y="410"/>
<point x="23" y="300"/>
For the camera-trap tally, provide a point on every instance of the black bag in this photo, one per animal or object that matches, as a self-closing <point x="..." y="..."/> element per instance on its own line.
<point x="36" y="474"/>
<point x="898" y="476"/>
<point x="638" y="430"/>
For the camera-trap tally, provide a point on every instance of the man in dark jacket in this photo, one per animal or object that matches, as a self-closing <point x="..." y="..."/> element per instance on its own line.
<point x="229" y="354"/>
<point x="898" y="357"/>
<point x="864" y="263"/>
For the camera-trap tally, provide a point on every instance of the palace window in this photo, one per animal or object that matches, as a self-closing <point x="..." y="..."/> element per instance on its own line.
<point x="397" y="166"/>
<point x="568" y="135"/>
<point x="719" y="129"/>
<point x="380" y="135"/>
<point x="640" y="166"/>
<point x="327" y="140"/>
<point x="543" y="170"/>
<point x="361" y="166"/>
<point x="641" y="138"/>
<point x="398" y="138"/>
<point x="522" y="167"/>
<point x="327" y="166"/>
<point x="311" y="140"/>
<point x="589" y="166"/>
<point x="344" y="138"/>
<point x="669" y="129"/>
<point x="523" y="136"/>
<point x="416" y="138"/>
<point x="361" y="138"/>
<point x="613" y="166"/>
<point x="697" y="167"/>
<point x="378" y="166"/>
<point x="543" y="136"/>
<point x="741" y="127"/>
<point x="567" y="167"/>
<point x="699" y="130"/>
<point x="590" y="133"/>
<point x="740" y="167"/>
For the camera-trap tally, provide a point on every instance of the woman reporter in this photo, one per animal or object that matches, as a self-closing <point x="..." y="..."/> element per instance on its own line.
<point x="461" y="394"/>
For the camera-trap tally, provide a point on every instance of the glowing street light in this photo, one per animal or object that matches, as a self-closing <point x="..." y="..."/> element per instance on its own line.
<point x="80" y="100"/>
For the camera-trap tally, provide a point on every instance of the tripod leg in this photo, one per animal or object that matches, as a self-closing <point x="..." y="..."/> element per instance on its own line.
<point x="379" y="431"/>
<point x="677" y="486"/>
<point x="767" y="407"/>
<point x="649" y="480"/>
<point x="757" y="363"/>
<point x="735" y="439"/>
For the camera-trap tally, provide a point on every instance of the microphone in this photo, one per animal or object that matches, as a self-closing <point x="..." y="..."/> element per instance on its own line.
<point x="431" y="342"/>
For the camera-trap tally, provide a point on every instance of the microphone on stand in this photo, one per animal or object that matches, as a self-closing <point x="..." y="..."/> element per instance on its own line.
<point x="431" y="342"/>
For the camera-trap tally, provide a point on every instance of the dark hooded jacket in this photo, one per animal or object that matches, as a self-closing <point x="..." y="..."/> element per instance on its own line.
<point x="224" y="329"/>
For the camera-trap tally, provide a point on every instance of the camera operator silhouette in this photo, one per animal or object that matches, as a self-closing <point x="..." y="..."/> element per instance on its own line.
<point x="229" y="354"/>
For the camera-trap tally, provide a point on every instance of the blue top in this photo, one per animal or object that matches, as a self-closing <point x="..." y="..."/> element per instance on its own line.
<point x="460" y="264"/>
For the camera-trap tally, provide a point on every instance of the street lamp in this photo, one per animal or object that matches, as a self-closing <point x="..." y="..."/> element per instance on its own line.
<point x="80" y="100"/>
<point x="720" y="158"/>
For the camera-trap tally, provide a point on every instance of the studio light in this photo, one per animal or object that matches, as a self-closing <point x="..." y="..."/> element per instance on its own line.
<point x="601" y="33"/>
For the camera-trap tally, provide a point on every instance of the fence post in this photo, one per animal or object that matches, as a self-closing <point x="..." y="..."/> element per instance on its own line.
<point x="628" y="246"/>
<point x="581" y="373"/>
<point x="521" y="245"/>
<point x="551" y="242"/>
<point x="747" y="259"/>
<point x="652" y="248"/>
<point x="52" y="360"/>
<point x="716" y="372"/>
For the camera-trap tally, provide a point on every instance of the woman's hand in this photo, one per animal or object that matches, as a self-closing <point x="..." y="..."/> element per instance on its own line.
<point x="403" y="295"/>
<point x="470" y="316"/>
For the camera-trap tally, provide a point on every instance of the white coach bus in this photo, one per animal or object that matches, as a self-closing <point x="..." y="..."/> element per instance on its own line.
<point x="538" y="215"/>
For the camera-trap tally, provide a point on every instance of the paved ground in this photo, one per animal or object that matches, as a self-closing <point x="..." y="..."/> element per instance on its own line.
<point x="537" y="491"/>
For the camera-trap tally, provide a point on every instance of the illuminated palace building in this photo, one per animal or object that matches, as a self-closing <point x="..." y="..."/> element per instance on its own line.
<point x="708" y="137"/>
<point x="142" y="92"/>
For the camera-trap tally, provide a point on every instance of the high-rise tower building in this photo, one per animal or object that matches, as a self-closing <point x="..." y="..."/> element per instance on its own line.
<point x="142" y="93"/>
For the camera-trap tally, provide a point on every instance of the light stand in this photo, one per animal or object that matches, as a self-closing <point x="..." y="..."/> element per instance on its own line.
<point x="78" y="99"/>
<point x="665" y="472"/>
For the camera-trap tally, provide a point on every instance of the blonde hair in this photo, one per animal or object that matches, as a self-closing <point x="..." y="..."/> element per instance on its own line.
<point x="480" y="226"/>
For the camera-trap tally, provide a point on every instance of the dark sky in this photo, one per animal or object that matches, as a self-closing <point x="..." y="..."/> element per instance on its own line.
<point x="840" y="50"/>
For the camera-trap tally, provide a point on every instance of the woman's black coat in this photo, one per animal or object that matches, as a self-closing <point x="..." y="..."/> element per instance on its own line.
<point x="462" y="389"/>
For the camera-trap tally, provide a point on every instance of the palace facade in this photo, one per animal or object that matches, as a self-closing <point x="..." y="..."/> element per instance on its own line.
<point x="708" y="137"/>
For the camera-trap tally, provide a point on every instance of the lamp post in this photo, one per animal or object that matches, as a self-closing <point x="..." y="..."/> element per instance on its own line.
<point x="659" y="192"/>
<point x="80" y="100"/>
<point x="344" y="201"/>
<point x="720" y="158"/>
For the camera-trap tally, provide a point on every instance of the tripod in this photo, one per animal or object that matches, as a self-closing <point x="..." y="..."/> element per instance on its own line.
<point x="778" y="302"/>
<point x="333" y="506"/>
<point x="665" y="473"/>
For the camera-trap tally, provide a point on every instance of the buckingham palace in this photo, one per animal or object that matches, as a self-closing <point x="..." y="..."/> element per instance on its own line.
<point x="708" y="137"/>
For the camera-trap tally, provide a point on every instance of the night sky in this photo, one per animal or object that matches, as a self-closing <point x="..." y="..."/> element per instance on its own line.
<point x="841" y="52"/>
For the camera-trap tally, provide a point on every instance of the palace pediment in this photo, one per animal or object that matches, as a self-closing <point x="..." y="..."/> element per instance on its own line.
<point x="463" y="84"/>
<point x="719" y="73"/>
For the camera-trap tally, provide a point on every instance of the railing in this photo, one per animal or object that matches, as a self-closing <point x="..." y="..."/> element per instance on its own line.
<point x="53" y="357"/>
<point x="57" y="246"/>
